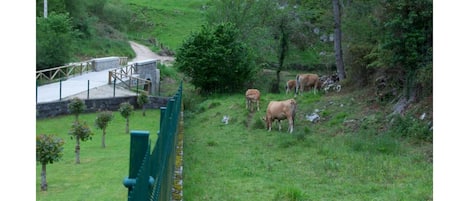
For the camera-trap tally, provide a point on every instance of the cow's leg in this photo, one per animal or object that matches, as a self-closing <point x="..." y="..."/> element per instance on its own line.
<point x="279" y="125"/>
<point x="290" y="125"/>
<point x="258" y="105"/>
<point x="269" y="124"/>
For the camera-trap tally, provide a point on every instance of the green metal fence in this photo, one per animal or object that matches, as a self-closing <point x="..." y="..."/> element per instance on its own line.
<point x="151" y="171"/>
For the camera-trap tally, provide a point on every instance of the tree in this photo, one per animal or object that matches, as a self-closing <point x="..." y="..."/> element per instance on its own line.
<point x="409" y="39"/>
<point x="79" y="132"/>
<point x="126" y="110"/>
<point x="54" y="40"/>
<point x="102" y="121"/>
<point x="282" y="27"/>
<point x="338" y="40"/>
<point x="49" y="149"/>
<point x="76" y="107"/>
<point x="215" y="60"/>
<point x="142" y="99"/>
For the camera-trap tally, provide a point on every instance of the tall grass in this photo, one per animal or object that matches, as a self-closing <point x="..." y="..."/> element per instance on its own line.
<point x="101" y="172"/>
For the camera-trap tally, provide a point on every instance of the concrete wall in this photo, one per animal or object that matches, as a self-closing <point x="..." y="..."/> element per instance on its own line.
<point x="147" y="70"/>
<point x="105" y="63"/>
<point x="52" y="109"/>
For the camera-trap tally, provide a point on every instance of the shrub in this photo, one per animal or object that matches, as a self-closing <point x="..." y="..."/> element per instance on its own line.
<point x="76" y="107"/>
<point x="215" y="60"/>
<point x="126" y="110"/>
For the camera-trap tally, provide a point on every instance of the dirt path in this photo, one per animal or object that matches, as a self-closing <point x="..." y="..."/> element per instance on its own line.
<point x="144" y="53"/>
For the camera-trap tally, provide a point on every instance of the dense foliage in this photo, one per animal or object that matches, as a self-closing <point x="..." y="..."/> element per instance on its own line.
<point x="53" y="40"/>
<point x="78" y="31"/>
<point x="392" y="39"/>
<point x="215" y="60"/>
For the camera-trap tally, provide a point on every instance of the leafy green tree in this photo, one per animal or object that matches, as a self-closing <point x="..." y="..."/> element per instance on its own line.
<point x="54" y="40"/>
<point x="79" y="132"/>
<point x="76" y="107"/>
<point x="215" y="60"/>
<point x="142" y="99"/>
<point x="126" y="110"/>
<point x="49" y="149"/>
<point x="102" y="121"/>
<point x="409" y="39"/>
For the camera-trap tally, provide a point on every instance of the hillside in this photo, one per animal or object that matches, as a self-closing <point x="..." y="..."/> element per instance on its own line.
<point x="355" y="149"/>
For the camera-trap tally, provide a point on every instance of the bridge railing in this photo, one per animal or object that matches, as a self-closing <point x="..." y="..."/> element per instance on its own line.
<point x="151" y="171"/>
<point x="54" y="74"/>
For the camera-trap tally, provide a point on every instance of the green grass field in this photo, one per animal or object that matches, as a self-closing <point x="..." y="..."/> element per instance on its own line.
<point x="330" y="160"/>
<point x="101" y="172"/>
<point x="347" y="155"/>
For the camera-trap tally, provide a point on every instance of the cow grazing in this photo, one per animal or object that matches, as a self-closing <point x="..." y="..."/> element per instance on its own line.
<point x="290" y="85"/>
<point x="252" y="96"/>
<point x="304" y="81"/>
<point x="280" y="110"/>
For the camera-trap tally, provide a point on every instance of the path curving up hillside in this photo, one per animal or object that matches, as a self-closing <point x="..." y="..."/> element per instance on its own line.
<point x="144" y="53"/>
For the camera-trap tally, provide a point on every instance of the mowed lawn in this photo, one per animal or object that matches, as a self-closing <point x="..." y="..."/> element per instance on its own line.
<point x="101" y="172"/>
<point x="335" y="159"/>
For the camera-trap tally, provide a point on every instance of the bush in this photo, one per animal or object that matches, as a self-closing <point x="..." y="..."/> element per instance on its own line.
<point x="215" y="60"/>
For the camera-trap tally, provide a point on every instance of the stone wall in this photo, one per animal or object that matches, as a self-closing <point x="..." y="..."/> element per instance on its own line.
<point x="52" y="109"/>
<point x="105" y="63"/>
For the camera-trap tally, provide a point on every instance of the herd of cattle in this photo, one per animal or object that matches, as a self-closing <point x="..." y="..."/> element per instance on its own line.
<point x="286" y="109"/>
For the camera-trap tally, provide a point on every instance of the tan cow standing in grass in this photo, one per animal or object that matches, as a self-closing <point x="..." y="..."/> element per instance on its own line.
<point x="290" y="85"/>
<point x="252" y="96"/>
<point x="280" y="110"/>
<point x="304" y="81"/>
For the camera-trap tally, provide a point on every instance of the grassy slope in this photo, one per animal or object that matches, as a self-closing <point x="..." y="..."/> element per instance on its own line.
<point x="335" y="159"/>
<point x="170" y="21"/>
<point x="100" y="174"/>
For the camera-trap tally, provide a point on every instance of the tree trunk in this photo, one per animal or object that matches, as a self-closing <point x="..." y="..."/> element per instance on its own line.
<point x="283" y="49"/>
<point x="143" y="109"/>
<point x="77" y="151"/>
<point x="103" y="141"/>
<point x="127" y="125"/>
<point x="338" y="40"/>
<point x="43" y="178"/>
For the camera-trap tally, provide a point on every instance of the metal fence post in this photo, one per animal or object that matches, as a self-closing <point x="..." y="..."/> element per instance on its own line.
<point x="60" y="90"/>
<point x="138" y="148"/>
<point x="88" y="94"/>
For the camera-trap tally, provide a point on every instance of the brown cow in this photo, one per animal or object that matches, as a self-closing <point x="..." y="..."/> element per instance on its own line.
<point x="289" y="85"/>
<point x="280" y="110"/>
<point x="306" y="81"/>
<point x="252" y="96"/>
